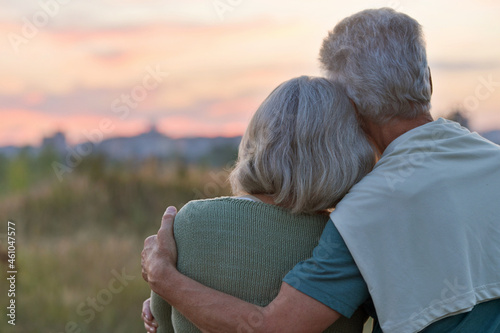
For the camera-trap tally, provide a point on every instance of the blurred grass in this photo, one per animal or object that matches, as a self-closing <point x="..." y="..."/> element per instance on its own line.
<point x="76" y="236"/>
<point x="56" y="276"/>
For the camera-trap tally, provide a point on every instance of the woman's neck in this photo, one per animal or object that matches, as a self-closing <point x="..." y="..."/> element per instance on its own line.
<point x="265" y="198"/>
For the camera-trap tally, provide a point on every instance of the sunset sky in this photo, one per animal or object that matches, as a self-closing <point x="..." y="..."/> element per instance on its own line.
<point x="201" y="67"/>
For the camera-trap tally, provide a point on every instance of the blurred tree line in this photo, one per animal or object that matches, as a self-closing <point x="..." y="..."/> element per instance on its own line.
<point x="100" y="193"/>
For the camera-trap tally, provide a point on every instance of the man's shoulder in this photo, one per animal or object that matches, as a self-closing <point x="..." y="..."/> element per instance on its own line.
<point x="420" y="159"/>
<point x="436" y="137"/>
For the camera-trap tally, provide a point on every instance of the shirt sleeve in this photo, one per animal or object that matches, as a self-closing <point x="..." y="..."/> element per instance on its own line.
<point x="330" y="276"/>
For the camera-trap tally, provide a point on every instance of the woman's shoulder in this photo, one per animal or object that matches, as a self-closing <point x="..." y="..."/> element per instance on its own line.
<point x="220" y="208"/>
<point x="244" y="205"/>
<point x="210" y="201"/>
<point x="204" y="205"/>
<point x="232" y="210"/>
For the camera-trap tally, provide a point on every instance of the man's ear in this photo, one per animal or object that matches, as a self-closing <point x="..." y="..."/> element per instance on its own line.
<point x="430" y="79"/>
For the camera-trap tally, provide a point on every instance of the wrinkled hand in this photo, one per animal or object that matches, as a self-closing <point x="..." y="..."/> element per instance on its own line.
<point x="159" y="256"/>
<point x="150" y="323"/>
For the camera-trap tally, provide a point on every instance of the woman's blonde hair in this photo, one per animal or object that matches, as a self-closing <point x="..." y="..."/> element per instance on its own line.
<point x="303" y="146"/>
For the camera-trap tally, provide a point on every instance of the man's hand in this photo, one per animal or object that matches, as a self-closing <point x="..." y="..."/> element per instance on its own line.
<point x="159" y="256"/>
<point x="149" y="322"/>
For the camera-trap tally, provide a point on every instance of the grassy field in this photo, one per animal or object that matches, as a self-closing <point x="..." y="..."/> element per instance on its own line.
<point x="78" y="241"/>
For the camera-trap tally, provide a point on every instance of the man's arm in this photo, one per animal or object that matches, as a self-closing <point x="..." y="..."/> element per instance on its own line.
<point x="214" y="311"/>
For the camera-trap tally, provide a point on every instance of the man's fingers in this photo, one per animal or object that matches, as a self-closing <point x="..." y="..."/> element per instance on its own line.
<point x="149" y="322"/>
<point x="168" y="217"/>
<point x="167" y="223"/>
<point x="144" y="273"/>
<point x="149" y="244"/>
<point x="146" y="310"/>
<point x="149" y="327"/>
<point x="159" y="251"/>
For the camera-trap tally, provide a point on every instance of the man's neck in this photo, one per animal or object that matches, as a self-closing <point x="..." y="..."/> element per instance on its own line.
<point x="383" y="134"/>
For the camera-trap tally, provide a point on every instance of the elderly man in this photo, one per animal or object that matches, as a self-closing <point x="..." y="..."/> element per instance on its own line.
<point x="417" y="240"/>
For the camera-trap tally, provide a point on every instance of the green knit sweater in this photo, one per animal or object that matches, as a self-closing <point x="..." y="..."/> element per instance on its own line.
<point x="242" y="248"/>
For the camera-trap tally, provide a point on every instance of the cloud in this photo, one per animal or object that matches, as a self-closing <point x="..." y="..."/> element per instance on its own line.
<point x="105" y="14"/>
<point x="217" y="75"/>
<point x="115" y="58"/>
<point x="29" y="126"/>
<point x="92" y="52"/>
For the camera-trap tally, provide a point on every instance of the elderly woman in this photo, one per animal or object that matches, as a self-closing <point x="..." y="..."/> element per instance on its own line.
<point x="301" y="153"/>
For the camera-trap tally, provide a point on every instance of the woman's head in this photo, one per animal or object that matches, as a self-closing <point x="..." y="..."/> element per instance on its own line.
<point x="303" y="146"/>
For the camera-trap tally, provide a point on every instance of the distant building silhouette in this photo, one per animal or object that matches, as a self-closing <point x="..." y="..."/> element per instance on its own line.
<point x="153" y="129"/>
<point x="57" y="142"/>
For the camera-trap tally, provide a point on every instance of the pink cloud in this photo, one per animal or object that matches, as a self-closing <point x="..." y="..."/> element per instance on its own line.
<point x="28" y="127"/>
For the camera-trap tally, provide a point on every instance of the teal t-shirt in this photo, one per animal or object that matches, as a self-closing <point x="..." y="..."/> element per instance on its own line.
<point x="331" y="277"/>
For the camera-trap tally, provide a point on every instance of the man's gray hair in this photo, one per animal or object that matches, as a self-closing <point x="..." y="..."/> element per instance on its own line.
<point x="379" y="56"/>
<point x="303" y="146"/>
